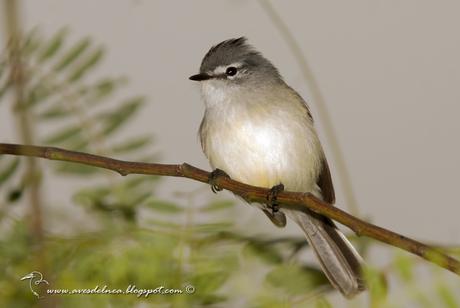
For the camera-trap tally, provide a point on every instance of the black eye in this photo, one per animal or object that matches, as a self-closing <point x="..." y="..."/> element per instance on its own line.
<point x="231" y="71"/>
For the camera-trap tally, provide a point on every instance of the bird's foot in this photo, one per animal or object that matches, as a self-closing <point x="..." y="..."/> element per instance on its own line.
<point x="271" y="198"/>
<point x="217" y="173"/>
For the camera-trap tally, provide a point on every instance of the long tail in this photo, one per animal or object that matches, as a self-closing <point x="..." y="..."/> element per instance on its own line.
<point x="339" y="260"/>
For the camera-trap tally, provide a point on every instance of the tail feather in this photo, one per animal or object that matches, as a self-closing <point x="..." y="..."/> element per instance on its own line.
<point x="339" y="260"/>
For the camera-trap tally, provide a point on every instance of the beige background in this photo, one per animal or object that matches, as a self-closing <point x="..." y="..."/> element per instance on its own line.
<point x="389" y="71"/>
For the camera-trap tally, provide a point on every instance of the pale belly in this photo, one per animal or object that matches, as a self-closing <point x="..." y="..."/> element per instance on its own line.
<point x="267" y="154"/>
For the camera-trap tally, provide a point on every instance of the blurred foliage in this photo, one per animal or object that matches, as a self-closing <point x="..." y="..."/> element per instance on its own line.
<point x="130" y="236"/>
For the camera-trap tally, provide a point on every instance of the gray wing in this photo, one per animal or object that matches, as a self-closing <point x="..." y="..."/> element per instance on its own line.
<point x="324" y="180"/>
<point x="202" y="132"/>
<point x="325" y="183"/>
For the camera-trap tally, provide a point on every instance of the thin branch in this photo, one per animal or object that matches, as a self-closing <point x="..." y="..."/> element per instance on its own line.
<point x="291" y="200"/>
<point x="23" y="120"/>
<point x="31" y="180"/>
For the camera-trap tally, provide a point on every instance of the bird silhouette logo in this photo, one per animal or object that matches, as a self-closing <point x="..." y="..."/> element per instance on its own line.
<point x="35" y="278"/>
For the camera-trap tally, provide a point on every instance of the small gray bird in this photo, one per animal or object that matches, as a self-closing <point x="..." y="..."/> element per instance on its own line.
<point x="260" y="132"/>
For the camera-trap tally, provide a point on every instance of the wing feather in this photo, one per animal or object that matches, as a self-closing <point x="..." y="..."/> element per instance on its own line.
<point x="325" y="183"/>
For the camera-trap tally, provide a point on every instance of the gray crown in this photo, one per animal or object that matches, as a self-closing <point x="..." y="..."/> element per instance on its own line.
<point x="237" y="50"/>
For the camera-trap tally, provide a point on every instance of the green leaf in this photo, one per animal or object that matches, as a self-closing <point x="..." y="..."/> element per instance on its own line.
<point x="211" y="300"/>
<point x="78" y="144"/>
<point x="265" y="300"/>
<point x="118" y="117"/>
<point x="322" y="303"/>
<point x="4" y="82"/>
<point x="164" y="224"/>
<point x="135" y="181"/>
<point x="73" y="54"/>
<point x="53" y="46"/>
<point x="218" y="205"/>
<point x="7" y="172"/>
<point x="63" y="135"/>
<point x="422" y="299"/>
<point x="54" y="112"/>
<point x="4" y="88"/>
<point x="87" y="64"/>
<point x="377" y="285"/>
<point x="15" y="194"/>
<point x="76" y="169"/>
<point x="91" y="196"/>
<point x="404" y="267"/>
<point x="103" y="89"/>
<point x="446" y="296"/>
<point x="295" y="280"/>
<point x="31" y="42"/>
<point x="212" y="227"/>
<point x="210" y="281"/>
<point x="39" y="93"/>
<point x="268" y="253"/>
<point x="133" y="144"/>
<point x="138" y="198"/>
<point x="3" y="67"/>
<point x="163" y="206"/>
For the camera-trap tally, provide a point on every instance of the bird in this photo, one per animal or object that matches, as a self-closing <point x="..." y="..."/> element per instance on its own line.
<point x="259" y="131"/>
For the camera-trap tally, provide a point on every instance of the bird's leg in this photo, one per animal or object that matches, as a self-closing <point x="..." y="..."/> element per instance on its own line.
<point x="271" y="198"/>
<point x="217" y="173"/>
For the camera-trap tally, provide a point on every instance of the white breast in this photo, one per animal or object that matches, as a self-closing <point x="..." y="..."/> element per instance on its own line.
<point x="258" y="142"/>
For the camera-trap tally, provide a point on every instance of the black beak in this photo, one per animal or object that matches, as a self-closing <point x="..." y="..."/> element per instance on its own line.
<point x="200" y="77"/>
